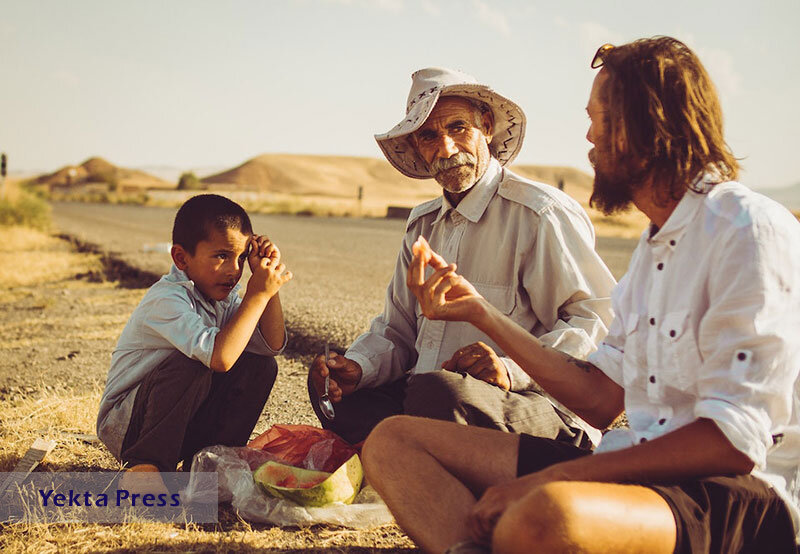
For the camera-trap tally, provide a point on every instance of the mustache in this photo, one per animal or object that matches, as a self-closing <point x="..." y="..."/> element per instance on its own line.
<point x="443" y="164"/>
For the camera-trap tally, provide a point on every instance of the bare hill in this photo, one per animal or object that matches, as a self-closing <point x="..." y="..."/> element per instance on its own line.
<point x="320" y="175"/>
<point x="788" y="196"/>
<point x="340" y="176"/>
<point x="99" y="170"/>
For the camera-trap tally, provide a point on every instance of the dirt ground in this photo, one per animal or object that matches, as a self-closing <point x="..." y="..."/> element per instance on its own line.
<point x="60" y="317"/>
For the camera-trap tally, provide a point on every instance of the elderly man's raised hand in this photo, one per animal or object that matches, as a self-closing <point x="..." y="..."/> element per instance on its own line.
<point x="480" y="361"/>
<point x="269" y="274"/>
<point x="445" y="294"/>
<point x="345" y="375"/>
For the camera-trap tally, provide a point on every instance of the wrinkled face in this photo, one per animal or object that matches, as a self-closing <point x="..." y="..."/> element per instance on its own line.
<point x="454" y="142"/>
<point x="217" y="263"/>
<point x="616" y="177"/>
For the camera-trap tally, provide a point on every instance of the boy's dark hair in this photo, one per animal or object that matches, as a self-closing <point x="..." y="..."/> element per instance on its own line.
<point x="200" y="214"/>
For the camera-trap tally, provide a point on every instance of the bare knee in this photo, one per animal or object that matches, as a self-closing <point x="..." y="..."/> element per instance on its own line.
<point x="546" y="518"/>
<point x="386" y="444"/>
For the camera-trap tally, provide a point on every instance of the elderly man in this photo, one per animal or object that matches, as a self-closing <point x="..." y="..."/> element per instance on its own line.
<point x="527" y="247"/>
<point x="703" y="355"/>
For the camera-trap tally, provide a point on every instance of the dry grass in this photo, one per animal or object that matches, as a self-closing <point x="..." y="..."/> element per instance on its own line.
<point x="282" y="203"/>
<point x="19" y="239"/>
<point x="230" y="536"/>
<point x="628" y="225"/>
<point x="53" y="414"/>
<point x="20" y="206"/>
<point x="28" y="257"/>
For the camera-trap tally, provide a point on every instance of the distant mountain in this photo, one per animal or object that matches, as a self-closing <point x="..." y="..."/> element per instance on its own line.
<point x="318" y="175"/>
<point x="788" y="196"/>
<point x="171" y="173"/>
<point x="311" y="176"/>
<point x="340" y="176"/>
<point x="99" y="170"/>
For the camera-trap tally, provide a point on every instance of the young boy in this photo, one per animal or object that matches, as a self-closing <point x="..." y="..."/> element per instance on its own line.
<point x="195" y="363"/>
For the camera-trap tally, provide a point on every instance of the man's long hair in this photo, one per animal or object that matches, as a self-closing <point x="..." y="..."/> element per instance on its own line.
<point x="665" y="109"/>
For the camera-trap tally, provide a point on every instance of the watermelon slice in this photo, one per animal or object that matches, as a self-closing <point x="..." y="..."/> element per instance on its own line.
<point x="311" y="488"/>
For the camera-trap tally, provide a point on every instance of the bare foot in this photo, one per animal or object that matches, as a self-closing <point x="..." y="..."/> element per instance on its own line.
<point x="143" y="479"/>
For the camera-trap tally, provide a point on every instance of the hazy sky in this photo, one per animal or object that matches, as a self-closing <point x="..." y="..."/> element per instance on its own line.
<point x="210" y="84"/>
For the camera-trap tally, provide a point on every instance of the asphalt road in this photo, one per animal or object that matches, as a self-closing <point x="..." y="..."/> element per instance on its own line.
<point x="341" y="265"/>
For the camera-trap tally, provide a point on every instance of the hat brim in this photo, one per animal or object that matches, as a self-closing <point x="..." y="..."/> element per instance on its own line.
<point x="509" y="129"/>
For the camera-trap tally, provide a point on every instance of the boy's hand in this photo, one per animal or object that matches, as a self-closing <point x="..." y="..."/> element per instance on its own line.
<point x="269" y="274"/>
<point x="261" y="247"/>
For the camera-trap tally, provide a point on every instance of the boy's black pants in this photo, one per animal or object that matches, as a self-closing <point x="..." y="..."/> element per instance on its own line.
<point x="183" y="406"/>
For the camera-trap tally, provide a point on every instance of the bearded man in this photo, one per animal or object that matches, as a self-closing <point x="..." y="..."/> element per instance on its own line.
<point x="703" y="356"/>
<point x="528" y="248"/>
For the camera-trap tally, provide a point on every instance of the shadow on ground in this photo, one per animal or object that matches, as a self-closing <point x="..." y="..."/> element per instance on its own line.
<point x="113" y="267"/>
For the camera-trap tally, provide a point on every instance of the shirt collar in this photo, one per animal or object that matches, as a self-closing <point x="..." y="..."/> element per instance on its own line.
<point x="474" y="204"/>
<point x="678" y="221"/>
<point x="179" y="277"/>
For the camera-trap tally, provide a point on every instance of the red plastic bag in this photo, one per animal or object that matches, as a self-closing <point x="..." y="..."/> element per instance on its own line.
<point x="305" y="446"/>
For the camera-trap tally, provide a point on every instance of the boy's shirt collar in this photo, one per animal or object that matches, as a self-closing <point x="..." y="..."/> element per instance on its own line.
<point x="179" y="277"/>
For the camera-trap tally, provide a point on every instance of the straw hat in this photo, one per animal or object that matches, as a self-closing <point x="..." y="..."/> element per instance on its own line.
<point x="427" y="86"/>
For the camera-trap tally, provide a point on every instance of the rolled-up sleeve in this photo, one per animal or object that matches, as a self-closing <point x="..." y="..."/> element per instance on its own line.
<point x="258" y="343"/>
<point x="746" y="349"/>
<point x="387" y="349"/>
<point x="609" y="354"/>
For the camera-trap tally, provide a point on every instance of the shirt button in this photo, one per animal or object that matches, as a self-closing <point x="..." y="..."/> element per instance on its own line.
<point x="652" y="321"/>
<point x="652" y="378"/>
<point x="741" y="356"/>
<point x="672" y="243"/>
<point x="660" y="266"/>
<point x="662" y="421"/>
<point x="642" y="440"/>
<point x="672" y="333"/>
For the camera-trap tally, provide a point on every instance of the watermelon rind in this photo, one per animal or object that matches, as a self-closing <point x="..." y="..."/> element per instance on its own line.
<point x="340" y="486"/>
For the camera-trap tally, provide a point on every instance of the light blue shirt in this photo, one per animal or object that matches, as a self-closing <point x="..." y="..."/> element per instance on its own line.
<point x="173" y="315"/>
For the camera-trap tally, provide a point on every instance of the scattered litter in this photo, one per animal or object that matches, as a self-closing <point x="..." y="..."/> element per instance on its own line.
<point x="32" y="458"/>
<point x="83" y="437"/>
<point x="163" y="247"/>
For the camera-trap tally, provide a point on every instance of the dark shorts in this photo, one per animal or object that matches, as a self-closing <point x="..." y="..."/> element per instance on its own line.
<point x="712" y="515"/>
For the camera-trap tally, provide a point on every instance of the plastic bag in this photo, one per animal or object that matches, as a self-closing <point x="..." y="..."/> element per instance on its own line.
<point x="305" y="446"/>
<point x="234" y="467"/>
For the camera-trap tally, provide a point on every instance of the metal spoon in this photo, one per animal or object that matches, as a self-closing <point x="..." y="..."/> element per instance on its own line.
<point x="325" y="404"/>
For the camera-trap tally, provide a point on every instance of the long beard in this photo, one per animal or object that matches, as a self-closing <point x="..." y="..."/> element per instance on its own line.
<point x="615" y="181"/>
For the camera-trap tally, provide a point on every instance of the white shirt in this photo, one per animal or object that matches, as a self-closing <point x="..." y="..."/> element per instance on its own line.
<point x="173" y="315"/>
<point x="529" y="250"/>
<point x="708" y="326"/>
